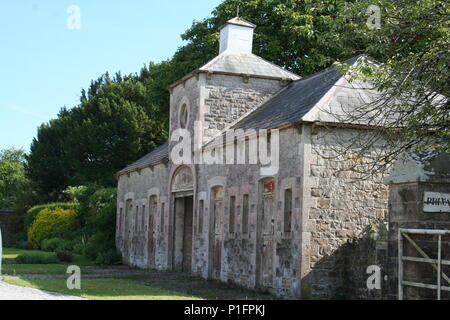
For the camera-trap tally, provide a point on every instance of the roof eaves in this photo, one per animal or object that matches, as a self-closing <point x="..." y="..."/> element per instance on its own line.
<point x="149" y="165"/>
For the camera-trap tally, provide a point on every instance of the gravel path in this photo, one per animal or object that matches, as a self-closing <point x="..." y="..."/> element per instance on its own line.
<point x="10" y="292"/>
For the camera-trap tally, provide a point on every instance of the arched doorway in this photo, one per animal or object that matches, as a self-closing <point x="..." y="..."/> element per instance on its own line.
<point x="183" y="209"/>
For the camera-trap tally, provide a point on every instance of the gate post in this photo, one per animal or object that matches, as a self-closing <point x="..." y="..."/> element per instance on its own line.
<point x="419" y="184"/>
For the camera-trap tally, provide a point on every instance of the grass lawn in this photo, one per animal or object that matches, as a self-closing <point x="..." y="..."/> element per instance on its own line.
<point x="95" y="289"/>
<point x="104" y="289"/>
<point x="149" y="285"/>
<point x="12" y="253"/>
<point x="44" y="269"/>
<point x="9" y="254"/>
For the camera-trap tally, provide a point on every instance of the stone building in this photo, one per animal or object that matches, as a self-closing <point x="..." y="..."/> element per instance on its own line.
<point x="273" y="219"/>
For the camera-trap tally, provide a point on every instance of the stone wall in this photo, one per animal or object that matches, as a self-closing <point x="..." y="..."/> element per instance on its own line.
<point x="132" y="233"/>
<point x="341" y="207"/>
<point x="325" y="254"/>
<point x="327" y="251"/>
<point x="218" y="101"/>
<point x="227" y="98"/>
<point x="408" y="182"/>
<point x="186" y="93"/>
<point x="239" y="249"/>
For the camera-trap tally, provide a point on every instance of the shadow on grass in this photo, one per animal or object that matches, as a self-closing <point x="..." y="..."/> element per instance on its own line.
<point x="196" y="286"/>
<point x="38" y="269"/>
<point x="103" y="289"/>
<point x="151" y="285"/>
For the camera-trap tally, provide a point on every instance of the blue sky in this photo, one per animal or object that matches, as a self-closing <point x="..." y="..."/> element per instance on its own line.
<point x="45" y="64"/>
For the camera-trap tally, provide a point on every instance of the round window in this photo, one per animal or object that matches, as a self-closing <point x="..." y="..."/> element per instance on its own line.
<point x="184" y="114"/>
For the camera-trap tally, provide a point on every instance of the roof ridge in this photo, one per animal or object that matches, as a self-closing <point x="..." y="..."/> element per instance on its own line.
<point x="355" y="58"/>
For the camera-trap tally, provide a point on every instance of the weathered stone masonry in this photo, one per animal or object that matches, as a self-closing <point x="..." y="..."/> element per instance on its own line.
<point x="341" y="208"/>
<point x="309" y="257"/>
<point x="292" y="233"/>
<point x="228" y="98"/>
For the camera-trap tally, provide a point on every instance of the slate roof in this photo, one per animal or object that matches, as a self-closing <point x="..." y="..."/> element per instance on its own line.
<point x="291" y="103"/>
<point x="294" y="101"/>
<point x="247" y="63"/>
<point x="158" y="155"/>
<point x="239" y="22"/>
<point x="229" y="62"/>
<point x="287" y="106"/>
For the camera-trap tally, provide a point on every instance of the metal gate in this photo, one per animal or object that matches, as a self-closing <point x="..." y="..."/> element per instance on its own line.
<point x="435" y="263"/>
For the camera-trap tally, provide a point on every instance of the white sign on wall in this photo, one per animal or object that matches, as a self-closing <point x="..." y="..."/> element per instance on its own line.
<point x="436" y="202"/>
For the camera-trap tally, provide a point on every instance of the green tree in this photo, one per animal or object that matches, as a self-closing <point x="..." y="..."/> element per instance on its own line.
<point x="120" y="119"/>
<point x="12" y="177"/>
<point x="46" y="163"/>
<point x="412" y="109"/>
<point x="303" y="36"/>
<point x="115" y="124"/>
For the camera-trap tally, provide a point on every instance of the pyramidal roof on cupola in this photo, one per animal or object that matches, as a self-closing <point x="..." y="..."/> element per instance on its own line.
<point x="247" y="64"/>
<point x="236" y="57"/>
<point x="238" y="21"/>
<point x="244" y="64"/>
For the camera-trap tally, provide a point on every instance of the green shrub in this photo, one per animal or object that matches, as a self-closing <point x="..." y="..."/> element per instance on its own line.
<point x="75" y="194"/>
<point x="21" y="236"/>
<point x="64" y="256"/>
<point x="51" y="245"/>
<point x="110" y="257"/>
<point x="96" y="245"/>
<point x="37" y="258"/>
<point x="79" y="248"/>
<point x="21" y="245"/>
<point x="33" y="212"/>
<point x="91" y="232"/>
<point x="57" y="244"/>
<point x="50" y="224"/>
<point x="99" y="212"/>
